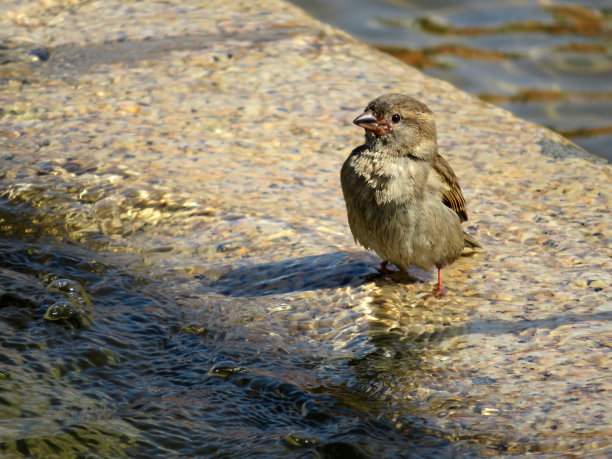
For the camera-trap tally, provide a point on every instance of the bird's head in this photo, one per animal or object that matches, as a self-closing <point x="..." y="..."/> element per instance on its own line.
<point x="401" y="123"/>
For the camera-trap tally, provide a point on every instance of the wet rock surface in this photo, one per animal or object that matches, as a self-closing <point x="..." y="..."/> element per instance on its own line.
<point x="179" y="164"/>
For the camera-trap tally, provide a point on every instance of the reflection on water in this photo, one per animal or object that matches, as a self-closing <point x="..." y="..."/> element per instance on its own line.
<point x="548" y="62"/>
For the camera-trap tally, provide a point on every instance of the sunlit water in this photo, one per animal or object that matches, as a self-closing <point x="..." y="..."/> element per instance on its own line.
<point x="547" y="62"/>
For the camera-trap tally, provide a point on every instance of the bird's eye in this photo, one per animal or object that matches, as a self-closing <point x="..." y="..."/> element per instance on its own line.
<point x="396" y="118"/>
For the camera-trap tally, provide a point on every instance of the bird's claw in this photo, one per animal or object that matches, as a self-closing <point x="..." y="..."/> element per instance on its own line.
<point x="383" y="268"/>
<point x="439" y="292"/>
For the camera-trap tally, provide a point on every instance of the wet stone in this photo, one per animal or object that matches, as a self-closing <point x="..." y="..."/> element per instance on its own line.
<point x="225" y="370"/>
<point x="66" y="312"/>
<point x="299" y="441"/>
<point x="65" y="286"/>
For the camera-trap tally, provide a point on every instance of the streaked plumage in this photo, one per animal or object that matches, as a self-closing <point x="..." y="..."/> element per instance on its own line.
<point x="403" y="200"/>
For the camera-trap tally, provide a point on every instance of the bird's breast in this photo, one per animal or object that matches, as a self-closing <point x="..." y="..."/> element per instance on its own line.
<point x="398" y="180"/>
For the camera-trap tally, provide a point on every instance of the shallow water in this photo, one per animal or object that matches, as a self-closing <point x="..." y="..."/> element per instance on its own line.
<point x="148" y="368"/>
<point x="547" y="62"/>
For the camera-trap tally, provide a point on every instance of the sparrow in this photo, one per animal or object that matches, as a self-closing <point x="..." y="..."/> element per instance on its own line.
<point x="403" y="200"/>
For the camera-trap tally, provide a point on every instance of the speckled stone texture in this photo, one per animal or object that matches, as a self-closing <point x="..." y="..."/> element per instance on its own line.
<point x="202" y="142"/>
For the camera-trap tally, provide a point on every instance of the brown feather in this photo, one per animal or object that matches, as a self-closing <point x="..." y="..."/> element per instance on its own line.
<point x="453" y="197"/>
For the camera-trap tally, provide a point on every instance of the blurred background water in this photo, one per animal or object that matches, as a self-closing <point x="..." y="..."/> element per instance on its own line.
<point x="547" y="61"/>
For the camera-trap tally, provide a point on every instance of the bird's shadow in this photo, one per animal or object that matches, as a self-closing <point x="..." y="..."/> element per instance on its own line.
<point x="325" y="271"/>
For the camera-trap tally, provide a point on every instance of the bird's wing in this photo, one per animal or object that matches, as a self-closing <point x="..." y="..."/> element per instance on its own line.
<point x="452" y="195"/>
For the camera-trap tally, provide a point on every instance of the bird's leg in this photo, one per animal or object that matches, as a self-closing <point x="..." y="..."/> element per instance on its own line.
<point x="439" y="291"/>
<point x="383" y="267"/>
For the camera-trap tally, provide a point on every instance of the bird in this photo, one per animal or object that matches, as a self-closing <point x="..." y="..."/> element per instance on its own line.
<point x="403" y="200"/>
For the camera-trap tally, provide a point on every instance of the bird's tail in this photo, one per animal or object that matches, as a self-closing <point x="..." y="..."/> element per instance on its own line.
<point x="470" y="245"/>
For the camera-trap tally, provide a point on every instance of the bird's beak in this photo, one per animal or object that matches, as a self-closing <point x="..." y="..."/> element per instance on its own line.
<point x="367" y="120"/>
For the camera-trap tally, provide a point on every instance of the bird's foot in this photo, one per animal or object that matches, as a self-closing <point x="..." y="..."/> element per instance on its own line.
<point x="383" y="268"/>
<point x="439" y="292"/>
